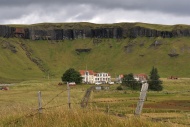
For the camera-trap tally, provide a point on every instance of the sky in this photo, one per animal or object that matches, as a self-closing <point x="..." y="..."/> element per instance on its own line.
<point x="167" y="12"/>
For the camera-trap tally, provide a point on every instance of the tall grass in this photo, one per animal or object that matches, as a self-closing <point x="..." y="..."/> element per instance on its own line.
<point x="20" y="102"/>
<point x="77" y="117"/>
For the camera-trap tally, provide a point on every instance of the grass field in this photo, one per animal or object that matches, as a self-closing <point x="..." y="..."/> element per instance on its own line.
<point x="170" y="107"/>
<point x="108" y="56"/>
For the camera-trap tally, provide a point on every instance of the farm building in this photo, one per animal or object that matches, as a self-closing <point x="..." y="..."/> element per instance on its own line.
<point x="89" y="76"/>
<point x="141" y="77"/>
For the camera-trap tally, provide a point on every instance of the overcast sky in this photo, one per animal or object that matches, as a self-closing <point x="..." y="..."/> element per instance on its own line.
<point x="95" y="11"/>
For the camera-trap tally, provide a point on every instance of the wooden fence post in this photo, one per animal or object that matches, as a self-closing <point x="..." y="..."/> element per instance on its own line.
<point x="39" y="102"/>
<point x="142" y="98"/>
<point x="68" y="88"/>
<point x="108" y="109"/>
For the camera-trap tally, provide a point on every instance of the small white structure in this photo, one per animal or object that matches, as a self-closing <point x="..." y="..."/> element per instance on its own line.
<point x="72" y="83"/>
<point x="98" y="83"/>
<point x="111" y="83"/>
<point x="102" y="87"/>
<point x="98" y="88"/>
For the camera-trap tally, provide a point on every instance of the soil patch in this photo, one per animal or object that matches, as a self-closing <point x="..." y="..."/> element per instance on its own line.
<point x="170" y="104"/>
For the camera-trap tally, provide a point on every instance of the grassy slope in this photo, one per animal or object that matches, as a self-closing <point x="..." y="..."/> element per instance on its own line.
<point x="16" y="66"/>
<point x="59" y="56"/>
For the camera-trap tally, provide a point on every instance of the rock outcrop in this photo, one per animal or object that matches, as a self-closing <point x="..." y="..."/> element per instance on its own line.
<point x="97" y="31"/>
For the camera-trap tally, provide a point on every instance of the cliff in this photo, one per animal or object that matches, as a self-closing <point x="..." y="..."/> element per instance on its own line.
<point x="71" y="31"/>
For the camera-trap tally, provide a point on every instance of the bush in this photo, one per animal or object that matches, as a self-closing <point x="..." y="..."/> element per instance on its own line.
<point x="119" y="88"/>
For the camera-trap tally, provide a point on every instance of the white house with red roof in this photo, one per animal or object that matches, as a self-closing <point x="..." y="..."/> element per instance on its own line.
<point x="89" y="76"/>
<point x="140" y="77"/>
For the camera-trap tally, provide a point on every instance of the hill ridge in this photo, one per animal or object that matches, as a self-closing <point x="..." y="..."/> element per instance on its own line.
<point x="70" y="31"/>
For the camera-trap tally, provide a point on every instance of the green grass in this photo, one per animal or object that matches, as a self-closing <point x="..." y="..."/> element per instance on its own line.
<point x="16" y="66"/>
<point x="79" y="25"/>
<point x="60" y="56"/>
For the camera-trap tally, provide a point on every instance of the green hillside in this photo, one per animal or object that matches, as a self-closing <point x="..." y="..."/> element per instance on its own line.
<point x="108" y="56"/>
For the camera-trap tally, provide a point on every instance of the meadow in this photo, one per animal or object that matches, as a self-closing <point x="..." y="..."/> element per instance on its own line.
<point x="114" y="56"/>
<point x="106" y="108"/>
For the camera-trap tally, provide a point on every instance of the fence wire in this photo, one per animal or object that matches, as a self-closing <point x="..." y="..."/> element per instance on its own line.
<point x="54" y="98"/>
<point x="35" y="111"/>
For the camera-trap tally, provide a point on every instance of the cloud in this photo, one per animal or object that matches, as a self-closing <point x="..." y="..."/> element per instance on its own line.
<point x="97" y="11"/>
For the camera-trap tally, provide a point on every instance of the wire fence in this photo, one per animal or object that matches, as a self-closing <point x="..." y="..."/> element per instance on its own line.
<point x="36" y="111"/>
<point x="54" y="98"/>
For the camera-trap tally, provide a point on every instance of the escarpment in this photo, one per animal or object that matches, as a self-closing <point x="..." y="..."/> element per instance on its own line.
<point x="71" y="32"/>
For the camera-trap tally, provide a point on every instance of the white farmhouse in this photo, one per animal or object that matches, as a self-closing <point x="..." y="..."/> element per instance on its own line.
<point x="89" y="76"/>
<point x="102" y="77"/>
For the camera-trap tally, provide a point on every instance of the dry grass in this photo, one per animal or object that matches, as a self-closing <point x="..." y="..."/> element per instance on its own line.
<point x="21" y="100"/>
<point x="76" y="117"/>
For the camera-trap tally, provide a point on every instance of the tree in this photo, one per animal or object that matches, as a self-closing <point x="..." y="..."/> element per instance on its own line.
<point x="71" y="75"/>
<point x="154" y="82"/>
<point x="129" y="81"/>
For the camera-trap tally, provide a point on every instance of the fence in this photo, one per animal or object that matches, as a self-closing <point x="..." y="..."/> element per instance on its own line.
<point x="108" y="108"/>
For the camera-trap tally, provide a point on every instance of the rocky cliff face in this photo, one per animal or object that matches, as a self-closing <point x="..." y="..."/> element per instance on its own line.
<point x="144" y="32"/>
<point x="52" y="33"/>
<point x="6" y="31"/>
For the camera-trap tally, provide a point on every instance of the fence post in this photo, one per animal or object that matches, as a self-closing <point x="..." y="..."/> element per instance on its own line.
<point x="39" y="102"/>
<point x="141" y="99"/>
<point x="108" y="109"/>
<point x="68" y="88"/>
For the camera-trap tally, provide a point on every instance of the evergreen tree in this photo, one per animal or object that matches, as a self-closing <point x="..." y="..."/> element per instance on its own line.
<point x="129" y="81"/>
<point x="154" y="82"/>
<point x="71" y="75"/>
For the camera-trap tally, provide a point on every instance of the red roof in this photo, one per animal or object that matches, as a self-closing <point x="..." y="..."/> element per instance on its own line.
<point x="121" y="75"/>
<point x="82" y="72"/>
<point x="142" y="75"/>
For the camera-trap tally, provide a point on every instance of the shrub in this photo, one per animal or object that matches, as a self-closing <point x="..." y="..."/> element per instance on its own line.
<point x="119" y="88"/>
